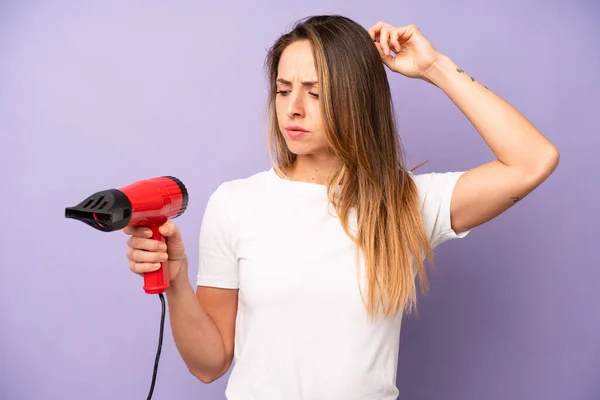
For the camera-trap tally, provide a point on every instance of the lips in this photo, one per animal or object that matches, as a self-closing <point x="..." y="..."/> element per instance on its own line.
<point x="295" y="131"/>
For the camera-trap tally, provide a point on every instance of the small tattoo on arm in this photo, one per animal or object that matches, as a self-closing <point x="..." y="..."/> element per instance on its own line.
<point x="515" y="199"/>
<point x="461" y="71"/>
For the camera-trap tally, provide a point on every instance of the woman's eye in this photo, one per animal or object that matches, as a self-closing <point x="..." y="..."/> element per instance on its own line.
<point x="286" y="92"/>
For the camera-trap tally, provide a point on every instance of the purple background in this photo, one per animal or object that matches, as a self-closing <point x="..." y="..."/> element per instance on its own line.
<point x="99" y="95"/>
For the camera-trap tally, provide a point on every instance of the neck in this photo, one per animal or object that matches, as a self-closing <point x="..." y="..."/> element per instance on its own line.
<point x="313" y="169"/>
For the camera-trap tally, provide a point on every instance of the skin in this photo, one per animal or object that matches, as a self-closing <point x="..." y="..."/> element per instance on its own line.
<point x="524" y="157"/>
<point x="297" y="104"/>
<point x="203" y="322"/>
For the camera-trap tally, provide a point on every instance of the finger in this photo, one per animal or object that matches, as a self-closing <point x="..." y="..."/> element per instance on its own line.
<point x="405" y="32"/>
<point x="388" y="61"/>
<point x="144" y="256"/>
<point x="374" y="30"/>
<point x="378" y="47"/>
<point x="168" y="229"/>
<point x="142" y="268"/>
<point x="137" y="231"/>
<point x="394" y="43"/>
<point x="384" y="37"/>
<point x="140" y="243"/>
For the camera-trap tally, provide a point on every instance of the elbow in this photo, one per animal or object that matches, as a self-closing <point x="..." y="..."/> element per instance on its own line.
<point x="543" y="167"/>
<point x="549" y="162"/>
<point x="554" y="157"/>
<point x="209" y="377"/>
<point x="205" y="378"/>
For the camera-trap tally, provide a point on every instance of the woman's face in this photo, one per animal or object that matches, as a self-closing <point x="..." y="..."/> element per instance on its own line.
<point x="297" y="101"/>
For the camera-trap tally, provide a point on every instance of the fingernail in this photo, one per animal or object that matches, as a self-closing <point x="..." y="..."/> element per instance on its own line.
<point x="156" y="266"/>
<point x="164" y="256"/>
<point x="162" y="246"/>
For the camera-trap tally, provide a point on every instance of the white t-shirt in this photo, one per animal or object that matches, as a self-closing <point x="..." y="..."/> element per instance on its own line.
<point x="302" y="330"/>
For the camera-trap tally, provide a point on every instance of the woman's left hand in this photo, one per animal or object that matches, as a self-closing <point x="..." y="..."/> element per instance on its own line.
<point x="414" y="54"/>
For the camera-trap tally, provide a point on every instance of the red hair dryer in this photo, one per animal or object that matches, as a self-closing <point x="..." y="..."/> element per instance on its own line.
<point x="149" y="203"/>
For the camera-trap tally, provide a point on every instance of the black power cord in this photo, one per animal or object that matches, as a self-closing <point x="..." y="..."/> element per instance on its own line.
<point x="160" y="339"/>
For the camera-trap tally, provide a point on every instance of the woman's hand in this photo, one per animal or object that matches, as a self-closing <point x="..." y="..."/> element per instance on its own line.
<point x="414" y="54"/>
<point x="147" y="255"/>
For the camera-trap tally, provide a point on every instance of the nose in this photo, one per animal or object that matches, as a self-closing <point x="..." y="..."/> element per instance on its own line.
<point x="296" y="104"/>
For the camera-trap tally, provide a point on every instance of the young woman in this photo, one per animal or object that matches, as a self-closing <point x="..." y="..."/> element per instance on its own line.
<point x="306" y="269"/>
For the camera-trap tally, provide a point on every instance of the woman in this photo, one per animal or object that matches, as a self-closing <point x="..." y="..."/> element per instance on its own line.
<point x="306" y="269"/>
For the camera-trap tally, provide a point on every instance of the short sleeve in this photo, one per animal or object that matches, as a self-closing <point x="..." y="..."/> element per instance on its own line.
<point x="435" y="196"/>
<point x="218" y="266"/>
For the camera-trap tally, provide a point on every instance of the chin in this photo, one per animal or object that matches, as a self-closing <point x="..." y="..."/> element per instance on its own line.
<point x="299" y="149"/>
<point x="303" y="147"/>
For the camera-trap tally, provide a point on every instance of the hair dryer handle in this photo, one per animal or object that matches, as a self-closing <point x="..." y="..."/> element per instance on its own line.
<point x="156" y="282"/>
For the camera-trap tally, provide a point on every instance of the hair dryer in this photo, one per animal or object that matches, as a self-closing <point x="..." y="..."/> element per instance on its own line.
<point x="149" y="203"/>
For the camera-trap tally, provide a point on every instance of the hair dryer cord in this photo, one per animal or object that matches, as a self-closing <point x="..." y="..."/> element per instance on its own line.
<point x="160" y="339"/>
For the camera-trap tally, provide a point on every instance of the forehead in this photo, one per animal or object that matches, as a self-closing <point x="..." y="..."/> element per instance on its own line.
<point x="297" y="62"/>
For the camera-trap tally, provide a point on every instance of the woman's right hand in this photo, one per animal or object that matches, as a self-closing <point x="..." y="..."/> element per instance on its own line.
<point x="146" y="254"/>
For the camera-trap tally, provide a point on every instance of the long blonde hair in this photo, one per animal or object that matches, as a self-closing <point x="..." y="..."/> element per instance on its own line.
<point x="372" y="179"/>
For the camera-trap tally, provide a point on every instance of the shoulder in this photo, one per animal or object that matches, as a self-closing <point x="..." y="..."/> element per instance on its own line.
<point x="435" y="197"/>
<point x="435" y="186"/>
<point x="242" y="193"/>
<point x="248" y="185"/>
<point x="231" y="198"/>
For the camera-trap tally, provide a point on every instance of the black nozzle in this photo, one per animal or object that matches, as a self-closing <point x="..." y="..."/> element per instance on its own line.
<point x="184" y="194"/>
<point x="107" y="211"/>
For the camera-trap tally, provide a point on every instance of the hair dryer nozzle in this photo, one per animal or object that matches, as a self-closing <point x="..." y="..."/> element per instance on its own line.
<point x="106" y="211"/>
<point x="149" y="203"/>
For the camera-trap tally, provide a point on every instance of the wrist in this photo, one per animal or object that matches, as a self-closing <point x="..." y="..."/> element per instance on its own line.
<point x="439" y="70"/>
<point x="181" y="280"/>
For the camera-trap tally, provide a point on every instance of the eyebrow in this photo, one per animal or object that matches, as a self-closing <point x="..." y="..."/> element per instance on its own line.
<point x="304" y="83"/>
